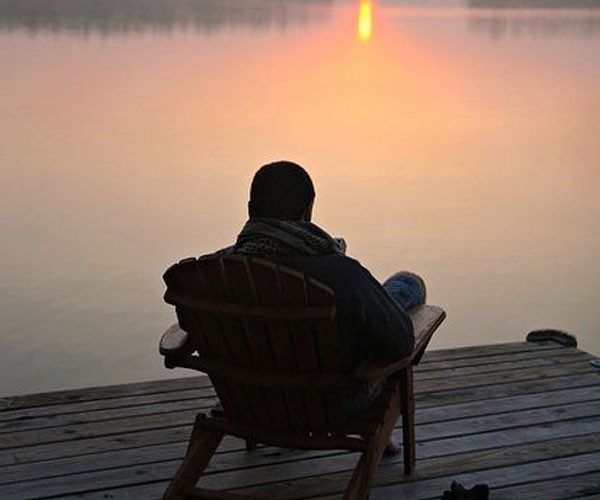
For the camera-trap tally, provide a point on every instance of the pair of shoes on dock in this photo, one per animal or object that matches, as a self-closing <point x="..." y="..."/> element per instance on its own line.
<point x="458" y="492"/>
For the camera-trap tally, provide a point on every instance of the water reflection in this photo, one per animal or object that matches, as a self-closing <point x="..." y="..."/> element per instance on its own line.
<point x="124" y="16"/>
<point x="365" y="20"/>
<point x="475" y="163"/>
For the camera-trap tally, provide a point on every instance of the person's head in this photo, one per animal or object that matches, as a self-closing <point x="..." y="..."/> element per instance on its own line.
<point x="281" y="190"/>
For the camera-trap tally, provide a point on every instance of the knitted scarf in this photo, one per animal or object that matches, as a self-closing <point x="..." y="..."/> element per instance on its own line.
<point x="279" y="238"/>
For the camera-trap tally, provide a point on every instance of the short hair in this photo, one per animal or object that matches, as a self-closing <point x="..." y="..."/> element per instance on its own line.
<point x="280" y="190"/>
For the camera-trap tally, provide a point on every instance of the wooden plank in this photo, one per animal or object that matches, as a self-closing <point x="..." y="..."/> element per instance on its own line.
<point x="104" y="392"/>
<point x="498" y="477"/>
<point x="453" y="456"/>
<point x="501" y="456"/>
<point x="470" y="409"/>
<point x="117" y="441"/>
<point x="571" y="487"/>
<point x="95" y="429"/>
<point x="523" y="374"/>
<point x="332" y="464"/>
<point x="506" y="390"/>
<point x="538" y="416"/>
<point x="443" y="364"/>
<point x="509" y="365"/>
<point x="579" y="486"/>
<point x="473" y="409"/>
<point x="255" y="409"/>
<point x="489" y="427"/>
<point x="478" y="351"/>
<point x="295" y="291"/>
<point x="234" y="402"/>
<point x="92" y="462"/>
<point x="439" y="398"/>
<point x="140" y="491"/>
<point x="210" y="332"/>
<point x="265" y="405"/>
<point x="431" y="447"/>
<point x="484" y="392"/>
<point x="231" y="456"/>
<point x="506" y="466"/>
<point x="509" y="437"/>
<point x="194" y="382"/>
<point x="326" y="341"/>
<point x="65" y="485"/>
<point x="56" y="415"/>
<point x="271" y="408"/>
<point x="282" y="348"/>
<point x="207" y="393"/>
<point x="228" y="471"/>
<point x="339" y="463"/>
<point x="45" y="422"/>
<point x="425" y="415"/>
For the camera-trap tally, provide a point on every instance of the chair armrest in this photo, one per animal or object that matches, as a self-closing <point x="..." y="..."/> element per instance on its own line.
<point x="369" y="373"/>
<point x="425" y="319"/>
<point x="175" y="342"/>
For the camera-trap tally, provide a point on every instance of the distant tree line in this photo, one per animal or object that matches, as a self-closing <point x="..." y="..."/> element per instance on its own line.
<point x="534" y="4"/>
<point x="157" y="15"/>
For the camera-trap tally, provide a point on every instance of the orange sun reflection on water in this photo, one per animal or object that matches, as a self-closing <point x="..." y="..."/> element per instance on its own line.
<point x="365" y="20"/>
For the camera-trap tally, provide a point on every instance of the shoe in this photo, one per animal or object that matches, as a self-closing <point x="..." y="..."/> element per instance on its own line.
<point x="458" y="492"/>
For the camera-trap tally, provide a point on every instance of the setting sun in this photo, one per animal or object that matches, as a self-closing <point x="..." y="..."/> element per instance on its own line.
<point x="365" y="22"/>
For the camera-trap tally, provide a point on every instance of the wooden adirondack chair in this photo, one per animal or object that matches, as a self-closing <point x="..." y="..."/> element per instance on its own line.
<point x="266" y="336"/>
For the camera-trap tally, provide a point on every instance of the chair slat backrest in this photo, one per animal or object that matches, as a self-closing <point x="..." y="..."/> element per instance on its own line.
<point x="255" y="315"/>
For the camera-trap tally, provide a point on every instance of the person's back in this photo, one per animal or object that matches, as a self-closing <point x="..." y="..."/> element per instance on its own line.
<point x="370" y="324"/>
<point x="372" y="319"/>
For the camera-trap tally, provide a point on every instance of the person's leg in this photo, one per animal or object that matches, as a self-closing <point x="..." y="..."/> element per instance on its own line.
<point x="361" y="402"/>
<point x="406" y="288"/>
<point x="409" y="290"/>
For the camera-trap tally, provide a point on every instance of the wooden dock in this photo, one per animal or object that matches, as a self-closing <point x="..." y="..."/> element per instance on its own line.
<point x="523" y="418"/>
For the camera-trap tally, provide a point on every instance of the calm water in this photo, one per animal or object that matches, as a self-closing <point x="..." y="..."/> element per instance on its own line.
<point x="460" y="140"/>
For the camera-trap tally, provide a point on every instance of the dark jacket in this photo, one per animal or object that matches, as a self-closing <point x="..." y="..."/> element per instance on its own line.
<point x="371" y="325"/>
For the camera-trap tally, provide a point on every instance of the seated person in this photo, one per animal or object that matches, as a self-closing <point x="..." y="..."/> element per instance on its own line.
<point x="372" y="319"/>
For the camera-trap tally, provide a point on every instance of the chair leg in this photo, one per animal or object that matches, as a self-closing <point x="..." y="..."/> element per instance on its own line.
<point x="196" y="431"/>
<point x="359" y="486"/>
<point x="356" y="483"/>
<point x="201" y="447"/>
<point x="407" y="405"/>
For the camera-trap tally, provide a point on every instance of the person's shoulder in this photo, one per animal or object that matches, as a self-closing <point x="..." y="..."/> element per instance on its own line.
<point x="347" y="262"/>
<point x="222" y="252"/>
<point x="344" y="274"/>
<point x="329" y="261"/>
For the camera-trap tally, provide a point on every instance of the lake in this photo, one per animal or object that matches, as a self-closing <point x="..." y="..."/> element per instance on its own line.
<point x="457" y="139"/>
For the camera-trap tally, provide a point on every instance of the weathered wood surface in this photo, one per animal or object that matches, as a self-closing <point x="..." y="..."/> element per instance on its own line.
<point x="523" y="418"/>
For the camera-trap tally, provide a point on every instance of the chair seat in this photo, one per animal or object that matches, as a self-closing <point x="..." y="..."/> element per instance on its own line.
<point x="363" y="425"/>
